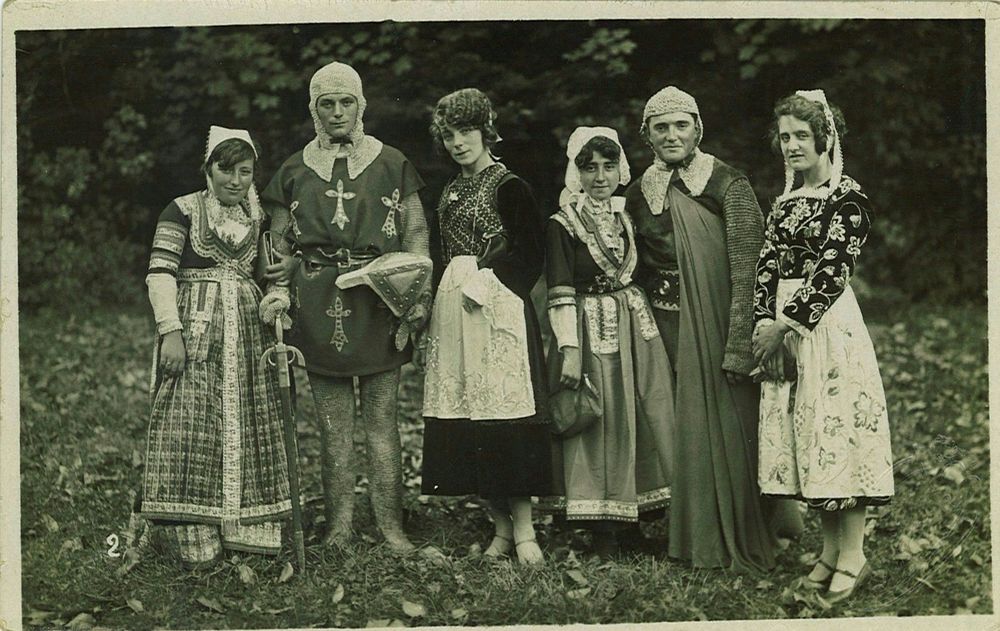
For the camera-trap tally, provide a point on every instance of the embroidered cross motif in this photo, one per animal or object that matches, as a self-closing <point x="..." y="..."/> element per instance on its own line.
<point x="295" y="223"/>
<point x="338" y="313"/>
<point x="340" y="217"/>
<point x="389" y="227"/>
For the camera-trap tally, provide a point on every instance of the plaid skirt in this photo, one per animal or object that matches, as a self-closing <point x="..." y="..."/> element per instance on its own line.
<point x="215" y="452"/>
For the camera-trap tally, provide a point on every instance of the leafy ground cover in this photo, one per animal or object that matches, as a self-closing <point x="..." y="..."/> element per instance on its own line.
<point x="84" y="400"/>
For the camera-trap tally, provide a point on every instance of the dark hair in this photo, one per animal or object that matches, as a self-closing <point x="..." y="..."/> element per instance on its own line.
<point x="809" y="112"/>
<point x="468" y="107"/>
<point x="228" y="153"/>
<point x="598" y="144"/>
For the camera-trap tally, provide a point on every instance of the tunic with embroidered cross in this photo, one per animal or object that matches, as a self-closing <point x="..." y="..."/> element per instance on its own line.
<point x="340" y="217"/>
<point x="338" y="313"/>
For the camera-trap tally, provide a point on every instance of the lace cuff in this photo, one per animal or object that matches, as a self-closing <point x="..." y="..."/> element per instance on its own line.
<point x="163" y="298"/>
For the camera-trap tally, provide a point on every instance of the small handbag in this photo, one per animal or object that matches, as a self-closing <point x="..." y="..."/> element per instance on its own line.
<point x="574" y="410"/>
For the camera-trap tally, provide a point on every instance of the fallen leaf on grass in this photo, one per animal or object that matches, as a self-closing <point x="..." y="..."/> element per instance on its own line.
<point x="50" y="524"/>
<point x="36" y="617"/>
<point x="72" y="545"/>
<point x="954" y="473"/>
<point x="764" y="584"/>
<point x="576" y="594"/>
<point x="978" y="560"/>
<point x="286" y="572"/>
<point x="381" y="622"/>
<point x="458" y="614"/>
<point x="82" y="621"/>
<point x="924" y="581"/>
<point x="577" y="577"/>
<point x="210" y="603"/>
<point x="413" y="610"/>
<point x="247" y="575"/>
<point x="135" y="605"/>
<point x="275" y="612"/>
<point x="957" y="551"/>
<point x="136" y="458"/>
<point x="338" y="593"/>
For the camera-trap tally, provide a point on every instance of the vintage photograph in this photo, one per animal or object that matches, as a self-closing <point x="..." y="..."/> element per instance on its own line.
<point x="416" y="314"/>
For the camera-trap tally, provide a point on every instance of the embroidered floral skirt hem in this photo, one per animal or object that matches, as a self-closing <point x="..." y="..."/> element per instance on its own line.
<point x="825" y="438"/>
<point x="215" y="452"/>
<point x="620" y="466"/>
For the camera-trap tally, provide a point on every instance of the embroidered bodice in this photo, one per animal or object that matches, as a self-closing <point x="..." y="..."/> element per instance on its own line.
<point x="813" y="238"/>
<point x="608" y="237"/>
<point x="468" y="212"/>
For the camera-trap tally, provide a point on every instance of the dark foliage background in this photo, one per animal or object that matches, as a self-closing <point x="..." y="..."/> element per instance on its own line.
<point x="111" y="123"/>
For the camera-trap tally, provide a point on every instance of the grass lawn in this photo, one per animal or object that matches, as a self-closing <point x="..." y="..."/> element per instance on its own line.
<point x="84" y="403"/>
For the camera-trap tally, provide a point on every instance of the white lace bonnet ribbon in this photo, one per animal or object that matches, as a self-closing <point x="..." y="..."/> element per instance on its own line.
<point x="216" y="136"/>
<point x="580" y="137"/>
<point x="837" y="168"/>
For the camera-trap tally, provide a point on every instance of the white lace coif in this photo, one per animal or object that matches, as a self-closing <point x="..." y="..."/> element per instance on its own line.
<point x="580" y="137"/>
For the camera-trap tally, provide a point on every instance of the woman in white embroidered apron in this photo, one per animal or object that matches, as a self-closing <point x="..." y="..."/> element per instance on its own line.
<point x="216" y="475"/>
<point x="486" y="429"/>
<point x="620" y="466"/>
<point x="830" y="445"/>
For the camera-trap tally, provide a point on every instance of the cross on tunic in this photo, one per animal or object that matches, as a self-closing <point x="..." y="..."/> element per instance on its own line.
<point x="338" y="313"/>
<point x="340" y="217"/>
<point x="394" y="205"/>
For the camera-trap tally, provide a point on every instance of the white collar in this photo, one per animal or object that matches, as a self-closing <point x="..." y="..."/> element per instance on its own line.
<point x="695" y="176"/>
<point x="359" y="156"/>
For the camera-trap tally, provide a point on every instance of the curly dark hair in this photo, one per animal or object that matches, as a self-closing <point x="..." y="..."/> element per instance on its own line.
<point x="812" y="113"/>
<point x="603" y="145"/>
<point x="228" y="153"/>
<point x="468" y="107"/>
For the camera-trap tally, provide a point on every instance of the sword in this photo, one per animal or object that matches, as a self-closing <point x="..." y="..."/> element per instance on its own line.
<point x="282" y="356"/>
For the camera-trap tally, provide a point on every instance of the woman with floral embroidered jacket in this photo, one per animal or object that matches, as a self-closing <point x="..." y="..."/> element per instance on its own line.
<point x="216" y="473"/>
<point x="831" y="448"/>
<point x="486" y="427"/>
<point x="604" y="329"/>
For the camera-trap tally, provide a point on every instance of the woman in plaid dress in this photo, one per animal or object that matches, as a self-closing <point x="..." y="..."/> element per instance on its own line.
<point x="216" y="475"/>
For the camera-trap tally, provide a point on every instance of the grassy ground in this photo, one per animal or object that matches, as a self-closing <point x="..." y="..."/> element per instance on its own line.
<point x="84" y="389"/>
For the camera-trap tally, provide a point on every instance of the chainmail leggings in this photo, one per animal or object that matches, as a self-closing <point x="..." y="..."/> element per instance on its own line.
<point x="334" y="397"/>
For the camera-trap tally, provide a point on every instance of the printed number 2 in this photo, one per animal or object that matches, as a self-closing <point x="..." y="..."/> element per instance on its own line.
<point x="112" y="541"/>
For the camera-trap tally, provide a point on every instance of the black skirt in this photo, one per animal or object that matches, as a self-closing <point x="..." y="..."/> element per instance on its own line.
<point x="501" y="458"/>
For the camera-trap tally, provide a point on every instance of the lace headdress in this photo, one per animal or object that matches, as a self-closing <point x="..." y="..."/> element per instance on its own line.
<point x="580" y="137"/>
<point x="837" y="167"/>
<point x="216" y="136"/>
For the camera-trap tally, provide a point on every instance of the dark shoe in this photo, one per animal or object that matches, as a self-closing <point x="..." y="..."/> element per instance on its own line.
<point x="606" y="545"/>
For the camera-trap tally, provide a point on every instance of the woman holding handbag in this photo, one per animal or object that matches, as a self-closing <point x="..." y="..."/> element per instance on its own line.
<point x="606" y="348"/>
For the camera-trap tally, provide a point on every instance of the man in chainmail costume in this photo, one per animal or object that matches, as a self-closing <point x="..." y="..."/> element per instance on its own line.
<point x="699" y="231"/>
<point x="342" y="201"/>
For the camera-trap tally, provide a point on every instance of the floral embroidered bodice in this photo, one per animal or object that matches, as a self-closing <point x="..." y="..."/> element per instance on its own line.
<point x="816" y="239"/>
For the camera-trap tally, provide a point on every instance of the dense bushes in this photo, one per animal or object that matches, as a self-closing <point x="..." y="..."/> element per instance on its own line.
<point x="111" y="123"/>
